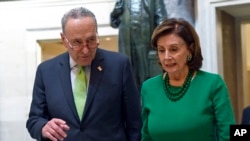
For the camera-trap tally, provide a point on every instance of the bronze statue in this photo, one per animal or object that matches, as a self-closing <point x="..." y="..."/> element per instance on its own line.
<point x="136" y="20"/>
<point x="181" y="9"/>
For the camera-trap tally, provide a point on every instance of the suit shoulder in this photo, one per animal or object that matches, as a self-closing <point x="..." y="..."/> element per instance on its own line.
<point x="153" y="80"/>
<point x="209" y="75"/>
<point x="247" y="109"/>
<point x="113" y="55"/>
<point x="54" y="60"/>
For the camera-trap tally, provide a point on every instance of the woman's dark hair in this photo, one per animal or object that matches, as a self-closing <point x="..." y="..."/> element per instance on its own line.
<point x="185" y="30"/>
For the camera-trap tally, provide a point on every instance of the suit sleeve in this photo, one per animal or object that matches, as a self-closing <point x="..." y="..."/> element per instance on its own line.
<point x="131" y="104"/>
<point x="38" y="115"/>
<point x="246" y="116"/>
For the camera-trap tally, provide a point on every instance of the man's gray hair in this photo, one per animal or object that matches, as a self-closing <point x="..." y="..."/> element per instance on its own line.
<point x="77" y="13"/>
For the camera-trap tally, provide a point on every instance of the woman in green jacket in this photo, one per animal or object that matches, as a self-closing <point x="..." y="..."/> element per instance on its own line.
<point x="184" y="103"/>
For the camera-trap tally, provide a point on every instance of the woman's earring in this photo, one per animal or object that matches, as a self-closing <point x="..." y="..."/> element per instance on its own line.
<point x="189" y="57"/>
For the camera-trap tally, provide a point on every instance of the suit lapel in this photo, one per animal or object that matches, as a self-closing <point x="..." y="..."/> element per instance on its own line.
<point x="64" y="75"/>
<point x="97" y="69"/>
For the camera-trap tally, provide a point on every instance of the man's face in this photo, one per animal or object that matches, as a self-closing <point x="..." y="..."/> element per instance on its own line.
<point x="81" y="40"/>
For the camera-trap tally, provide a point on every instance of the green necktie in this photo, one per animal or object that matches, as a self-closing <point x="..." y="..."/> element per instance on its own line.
<point x="80" y="91"/>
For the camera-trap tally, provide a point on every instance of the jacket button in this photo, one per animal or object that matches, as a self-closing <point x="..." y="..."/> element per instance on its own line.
<point x="82" y="128"/>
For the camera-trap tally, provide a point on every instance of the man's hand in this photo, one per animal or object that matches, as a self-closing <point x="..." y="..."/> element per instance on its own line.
<point x="55" y="129"/>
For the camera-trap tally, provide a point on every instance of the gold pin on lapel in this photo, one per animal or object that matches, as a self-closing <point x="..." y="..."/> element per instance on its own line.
<point x="99" y="68"/>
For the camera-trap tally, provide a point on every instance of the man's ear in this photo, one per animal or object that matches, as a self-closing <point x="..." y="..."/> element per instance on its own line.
<point x="97" y="41"/>
<point x="63" y="39"/>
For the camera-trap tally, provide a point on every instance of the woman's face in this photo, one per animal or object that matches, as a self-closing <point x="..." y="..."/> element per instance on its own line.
<point x="172" y="53"/>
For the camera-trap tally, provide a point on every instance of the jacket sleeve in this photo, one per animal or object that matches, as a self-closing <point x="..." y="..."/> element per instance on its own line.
<point x="246" y="116"/>
<point x="131" y="104"/>
<point x="38" y="115"/>
<point x="223" y="110"/>
<point x="145" y="113"/>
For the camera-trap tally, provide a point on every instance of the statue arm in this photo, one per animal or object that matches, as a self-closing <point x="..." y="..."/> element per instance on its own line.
<point x="116" y="13"/>
<point x="160" y="11"/>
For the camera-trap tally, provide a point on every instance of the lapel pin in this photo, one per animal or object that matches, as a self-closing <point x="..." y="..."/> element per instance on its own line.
<point x="99" y="68"/>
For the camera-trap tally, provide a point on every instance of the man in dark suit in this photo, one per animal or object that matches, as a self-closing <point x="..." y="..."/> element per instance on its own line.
<point x="112" y="111"/>
<point x="246" y="116"/>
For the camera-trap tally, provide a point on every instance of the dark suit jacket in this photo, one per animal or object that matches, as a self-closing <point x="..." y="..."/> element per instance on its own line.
<point x="246" y="116"/>
<point x="112" y="111"/>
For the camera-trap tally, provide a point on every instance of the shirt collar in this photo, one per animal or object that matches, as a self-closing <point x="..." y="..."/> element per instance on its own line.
<point x="72" y="63"/>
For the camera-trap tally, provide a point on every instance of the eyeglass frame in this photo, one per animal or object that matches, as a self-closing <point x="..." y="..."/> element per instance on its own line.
<point x="79" y="47"/>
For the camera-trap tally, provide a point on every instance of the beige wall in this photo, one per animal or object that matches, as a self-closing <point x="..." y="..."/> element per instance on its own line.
<point x="248" y="56"/>
<point x="248" y="81"/>
<point x="51" y="48"/>
<point x="248" y="45"/>
<point x="229" y="57"/>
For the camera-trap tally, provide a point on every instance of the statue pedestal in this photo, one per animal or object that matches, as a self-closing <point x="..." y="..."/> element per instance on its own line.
<point x="154" y="66"/>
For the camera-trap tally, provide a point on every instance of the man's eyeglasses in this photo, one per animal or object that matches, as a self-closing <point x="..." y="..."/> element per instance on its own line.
<point x="79" y="44"/>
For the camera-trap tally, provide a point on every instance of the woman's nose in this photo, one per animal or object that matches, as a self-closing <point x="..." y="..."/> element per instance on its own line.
<point x="168" y="55"/>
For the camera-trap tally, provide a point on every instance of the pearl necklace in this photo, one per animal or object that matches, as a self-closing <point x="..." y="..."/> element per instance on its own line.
<point x="175" y="95"/>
